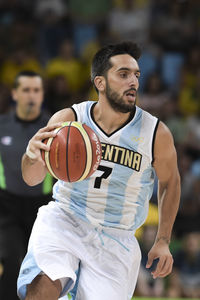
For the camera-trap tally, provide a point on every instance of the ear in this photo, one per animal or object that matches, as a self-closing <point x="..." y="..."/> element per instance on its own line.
<point x="99" y="82"/>
<point x="14" y="94"/>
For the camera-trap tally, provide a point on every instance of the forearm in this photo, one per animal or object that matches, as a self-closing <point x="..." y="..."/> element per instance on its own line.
<point x="33" y="166"/>
<point x="33" y="172"/>
<point x="168" y="204"/>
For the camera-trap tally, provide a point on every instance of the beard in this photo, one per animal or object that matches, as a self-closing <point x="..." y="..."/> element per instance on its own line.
<point x="117" y="102"/>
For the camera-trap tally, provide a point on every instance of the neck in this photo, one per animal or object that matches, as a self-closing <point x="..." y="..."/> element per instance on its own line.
<point x="27" y="115"/>
<point x="108" y="119"/>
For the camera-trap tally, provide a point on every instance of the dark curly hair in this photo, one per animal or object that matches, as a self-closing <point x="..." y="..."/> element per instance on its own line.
<point x="101" y="61"/>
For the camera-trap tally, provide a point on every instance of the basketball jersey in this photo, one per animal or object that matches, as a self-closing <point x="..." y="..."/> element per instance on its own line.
<point x="117" y="194"/>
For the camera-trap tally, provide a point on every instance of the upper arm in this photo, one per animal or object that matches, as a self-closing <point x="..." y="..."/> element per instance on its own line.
<point x="165" y="157"/>
<point x="64" y="115"/>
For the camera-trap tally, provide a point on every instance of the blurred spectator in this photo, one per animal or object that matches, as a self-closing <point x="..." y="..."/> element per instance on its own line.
<point x="68" y="65"/>
<point x="172" y="27"/>
<point x="176" y="122"/>
<point x="149" y="63"/>
<point x="190" y="101"/>
<point x="89" y="19"/>
<point x="43" y="7"/>
<point x="12" y="10"/>
<point x="5" y="99"/>
<point x="23" y="35"/>
<point x="173" y="30"/>
<point x="54" y="27"/>
<point x="193" y="136"/>
<point x="130" y="20"/>
<point x="86" y="58"/>
<point x="19" y="59"/>
<point x="58" y="95"/>
<point x="189" y="94"/>
<point x="191" y="66"/>
<point x="188" y="218"/>
<point x="154" y="96"/>
<point x="185" y="278"/>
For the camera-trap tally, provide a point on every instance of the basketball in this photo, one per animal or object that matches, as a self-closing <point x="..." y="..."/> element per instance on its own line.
<point x="75" y="152"/>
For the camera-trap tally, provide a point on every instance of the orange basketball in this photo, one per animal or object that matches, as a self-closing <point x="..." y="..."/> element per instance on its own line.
<point x="75" y="152"/>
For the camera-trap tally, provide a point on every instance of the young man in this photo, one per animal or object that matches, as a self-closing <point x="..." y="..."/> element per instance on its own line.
<point x="19" y="202"/>
<point x="84" y="241"/>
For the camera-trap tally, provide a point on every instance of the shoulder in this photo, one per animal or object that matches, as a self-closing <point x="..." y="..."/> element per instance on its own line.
<point x="164" y="142"/>
<point x="4" y="118"/>
<point x="64" y="115"/>
<point x="146" y="116"/>
<point x="163" y="133"/>
<point x="45" y="116"/>
<point x="83" y="105"/>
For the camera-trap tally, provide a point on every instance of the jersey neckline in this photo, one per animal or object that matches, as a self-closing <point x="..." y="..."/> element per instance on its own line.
<point x="132" y="115"/>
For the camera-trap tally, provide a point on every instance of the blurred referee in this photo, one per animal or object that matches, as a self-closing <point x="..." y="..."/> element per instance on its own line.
<point x="19" y="202"/>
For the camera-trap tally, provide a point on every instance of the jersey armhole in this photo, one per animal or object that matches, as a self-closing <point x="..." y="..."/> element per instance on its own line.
<point x="75" y="114"/>
<point x="153" y="141"/>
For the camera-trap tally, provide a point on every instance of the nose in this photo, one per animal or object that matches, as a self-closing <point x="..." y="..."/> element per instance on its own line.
<point x="134" y="81"/>
<point x="32" y="95"/>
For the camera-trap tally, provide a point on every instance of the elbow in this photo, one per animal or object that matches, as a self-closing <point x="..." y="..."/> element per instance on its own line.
<point x="31" y="181"/>
<point x="178" y="179"/>
<point x="176" y="186"/>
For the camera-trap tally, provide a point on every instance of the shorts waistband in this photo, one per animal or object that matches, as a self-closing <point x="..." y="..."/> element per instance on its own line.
<point x="115" y="232"/>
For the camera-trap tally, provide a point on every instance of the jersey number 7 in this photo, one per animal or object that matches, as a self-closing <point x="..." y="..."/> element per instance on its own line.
<point x="106" y="172"/>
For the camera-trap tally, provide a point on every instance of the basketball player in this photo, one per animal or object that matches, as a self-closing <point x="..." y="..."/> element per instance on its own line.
<point x="19" y="202"/>
<point x="84" y="242"/>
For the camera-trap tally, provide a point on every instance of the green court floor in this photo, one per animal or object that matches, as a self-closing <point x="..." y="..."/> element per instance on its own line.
<point x="144" y="298"/>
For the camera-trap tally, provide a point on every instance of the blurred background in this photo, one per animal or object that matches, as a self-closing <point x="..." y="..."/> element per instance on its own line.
<point x="58" y="38"/>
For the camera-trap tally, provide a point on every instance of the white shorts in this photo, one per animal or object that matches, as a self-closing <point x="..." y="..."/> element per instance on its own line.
<point x="98" y="263"/>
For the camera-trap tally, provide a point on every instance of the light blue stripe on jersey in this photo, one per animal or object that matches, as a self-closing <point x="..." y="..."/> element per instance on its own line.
<point x="116" y="196"/>
<point x="78" y="198"/>
<point x="79" y="190"/>
<point x="116" y="191"/>
<point x="73" y="292"/>
<point x="55" y="190"/>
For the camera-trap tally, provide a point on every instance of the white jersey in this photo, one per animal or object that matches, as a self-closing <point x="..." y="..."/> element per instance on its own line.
<point x="117" y="195"/>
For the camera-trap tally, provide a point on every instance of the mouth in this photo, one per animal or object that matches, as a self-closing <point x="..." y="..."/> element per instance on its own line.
<point x="31" y="104"/>
<point x="130" y="95"/>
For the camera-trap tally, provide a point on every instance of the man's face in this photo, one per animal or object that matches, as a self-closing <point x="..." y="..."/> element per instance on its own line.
<point x="122" y="83"/>
<point x="29" y="96"/>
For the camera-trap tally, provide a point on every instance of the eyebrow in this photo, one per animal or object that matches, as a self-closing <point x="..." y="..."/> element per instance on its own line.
<point x="128" y="69"/>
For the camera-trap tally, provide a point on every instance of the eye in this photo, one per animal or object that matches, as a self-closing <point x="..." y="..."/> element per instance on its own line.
<point x="26" y="90"/>
<point x="137" y="75"/>
<point x="123" y="75"/>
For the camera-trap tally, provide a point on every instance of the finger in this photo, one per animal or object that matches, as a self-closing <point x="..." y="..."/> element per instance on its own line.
<point x="50" y="127"/>
<point x="164" y="269"/>
<point x="44" y="147"/>
<point x="46" y="132"/>
<point x="42" y="161"/>
<point x="39" y="145"/>
<point x="33" y="150"/>
<point x="40" y="137"/>
<point x="167" y="269"/>
<point x="159" y="267"/>
<point x="149" y="261"/>
<point x="44" y="135"/>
